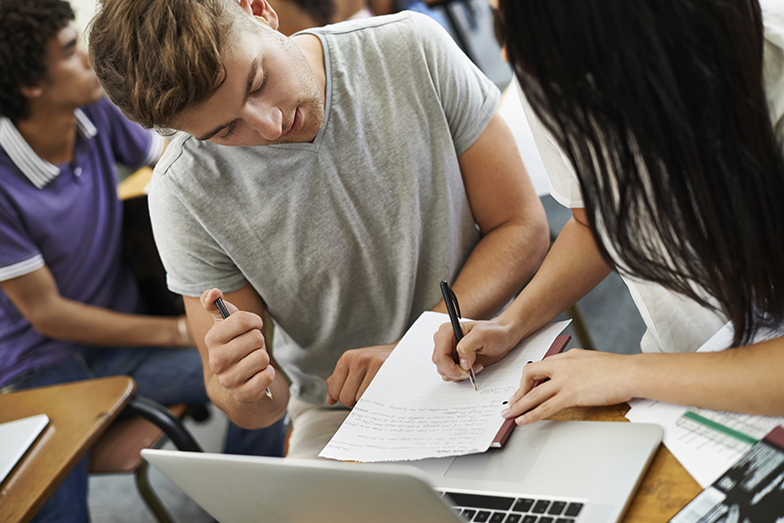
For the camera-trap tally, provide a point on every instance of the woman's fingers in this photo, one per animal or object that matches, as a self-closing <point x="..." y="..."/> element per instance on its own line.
<point x="521" y="403"/>
<point x="576" y="378"/>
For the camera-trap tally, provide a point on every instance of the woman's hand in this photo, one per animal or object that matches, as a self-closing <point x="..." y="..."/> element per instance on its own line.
<point x="483" y="343"/>
<point x="576" y="378"/>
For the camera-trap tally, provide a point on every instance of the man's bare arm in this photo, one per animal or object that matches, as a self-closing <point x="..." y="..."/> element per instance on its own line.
<point x="511" y="219"/>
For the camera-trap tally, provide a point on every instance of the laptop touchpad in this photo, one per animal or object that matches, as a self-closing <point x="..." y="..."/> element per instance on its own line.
<point x="510" y="463"/>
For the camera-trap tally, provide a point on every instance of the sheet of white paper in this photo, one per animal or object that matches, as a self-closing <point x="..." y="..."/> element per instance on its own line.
<point x="408" y="412"/>
<point x="703" y="457"/>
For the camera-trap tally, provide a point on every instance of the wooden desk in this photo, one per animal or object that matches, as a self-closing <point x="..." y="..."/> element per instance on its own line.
<point x="135" y="185"/>
<point x="79" y="412"/>
<point x="665" y="489"/>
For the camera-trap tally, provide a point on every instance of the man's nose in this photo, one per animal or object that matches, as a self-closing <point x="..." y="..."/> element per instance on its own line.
<point x="267" y="121"/>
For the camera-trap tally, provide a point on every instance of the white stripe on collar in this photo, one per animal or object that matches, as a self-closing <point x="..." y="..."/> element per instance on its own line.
<point x="84" y="125"/>
<point x="156" y="149"/>
<point x="38" y="171"/>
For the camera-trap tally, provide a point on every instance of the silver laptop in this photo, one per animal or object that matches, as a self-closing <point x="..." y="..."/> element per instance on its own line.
<point x="547" y="472"/>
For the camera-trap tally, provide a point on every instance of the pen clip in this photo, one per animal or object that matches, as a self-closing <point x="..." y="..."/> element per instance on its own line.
<point x="450" y="299"/>
<point x="453" y="299"/>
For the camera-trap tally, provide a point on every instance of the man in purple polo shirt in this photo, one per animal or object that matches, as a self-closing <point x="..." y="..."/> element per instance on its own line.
<point x="69" y="308"/>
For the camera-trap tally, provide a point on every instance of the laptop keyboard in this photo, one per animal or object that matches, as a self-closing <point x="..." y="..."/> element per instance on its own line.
<point x="500" y="509"/>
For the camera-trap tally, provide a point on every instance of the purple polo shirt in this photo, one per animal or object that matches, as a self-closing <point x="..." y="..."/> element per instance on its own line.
<point x="68" y="218"/>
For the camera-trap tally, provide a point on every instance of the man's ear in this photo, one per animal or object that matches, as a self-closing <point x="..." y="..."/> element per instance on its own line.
<point x="261" y="9"/>
<point x="31" y="91"/>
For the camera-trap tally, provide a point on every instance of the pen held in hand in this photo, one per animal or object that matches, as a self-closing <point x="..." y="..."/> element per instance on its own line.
<point x="224" y="312"/>
<point x="453" y="309"/>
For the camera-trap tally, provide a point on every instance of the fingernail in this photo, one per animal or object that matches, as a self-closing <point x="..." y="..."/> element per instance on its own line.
<point x="505" y="412"/>
<point x="520" y="420"/>
<point x="464" y="365"/>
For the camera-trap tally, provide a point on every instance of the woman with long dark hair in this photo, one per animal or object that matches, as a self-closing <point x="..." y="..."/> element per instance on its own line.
<point x="661" y="124"/>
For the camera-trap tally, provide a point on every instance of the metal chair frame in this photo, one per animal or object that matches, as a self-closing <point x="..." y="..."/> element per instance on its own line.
<point x="174" y="430"/>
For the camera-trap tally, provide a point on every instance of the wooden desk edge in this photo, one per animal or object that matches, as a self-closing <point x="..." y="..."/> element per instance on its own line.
<point x="122" y="392"/>
<point x="665" y="488"/>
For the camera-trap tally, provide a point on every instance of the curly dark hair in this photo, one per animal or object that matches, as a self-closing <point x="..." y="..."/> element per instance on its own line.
<point x="26" y="26"/>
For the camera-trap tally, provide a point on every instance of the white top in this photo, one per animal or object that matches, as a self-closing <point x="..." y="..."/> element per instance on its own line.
<point x="511" y="110"/>
<point x="675" y="323"/>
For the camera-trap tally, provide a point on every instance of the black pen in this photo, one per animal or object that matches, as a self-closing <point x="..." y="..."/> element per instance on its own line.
<point x="453" y="308"/>
<point x="224" y="312"/>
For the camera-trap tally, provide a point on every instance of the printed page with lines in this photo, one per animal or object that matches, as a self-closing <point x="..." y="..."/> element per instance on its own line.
<point x="408" y="412"/>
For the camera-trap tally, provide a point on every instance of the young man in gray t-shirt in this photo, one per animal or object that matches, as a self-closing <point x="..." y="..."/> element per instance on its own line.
<point x="373" y="166"/>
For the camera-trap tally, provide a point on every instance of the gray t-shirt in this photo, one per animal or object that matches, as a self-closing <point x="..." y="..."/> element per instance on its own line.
<point x="346" y="238"/>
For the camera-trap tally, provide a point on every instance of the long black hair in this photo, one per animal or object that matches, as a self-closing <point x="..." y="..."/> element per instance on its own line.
<point x="660" y="107"/>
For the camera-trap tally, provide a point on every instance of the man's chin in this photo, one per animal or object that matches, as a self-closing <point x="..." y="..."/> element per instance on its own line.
<point x="305" y="135"/>
<point x="96" y="95"/>
<point x="314" y="120"/>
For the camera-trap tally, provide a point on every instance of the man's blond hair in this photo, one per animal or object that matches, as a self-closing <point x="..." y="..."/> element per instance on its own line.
<point x="156" y="58"/>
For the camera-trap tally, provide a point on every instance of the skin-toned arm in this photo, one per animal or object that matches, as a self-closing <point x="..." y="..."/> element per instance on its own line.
<point x="38" y="299"/>
<point x="237" y="366"/>
<point x="572" y="268"/>
<point x="515" y="238"/>
<point x="511" y="219"/>
<point x="746" y="379"/>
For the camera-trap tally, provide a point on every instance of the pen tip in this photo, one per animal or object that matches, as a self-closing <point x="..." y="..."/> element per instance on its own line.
<point x="475" y="387"/>
<point x="268" y="393"/>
